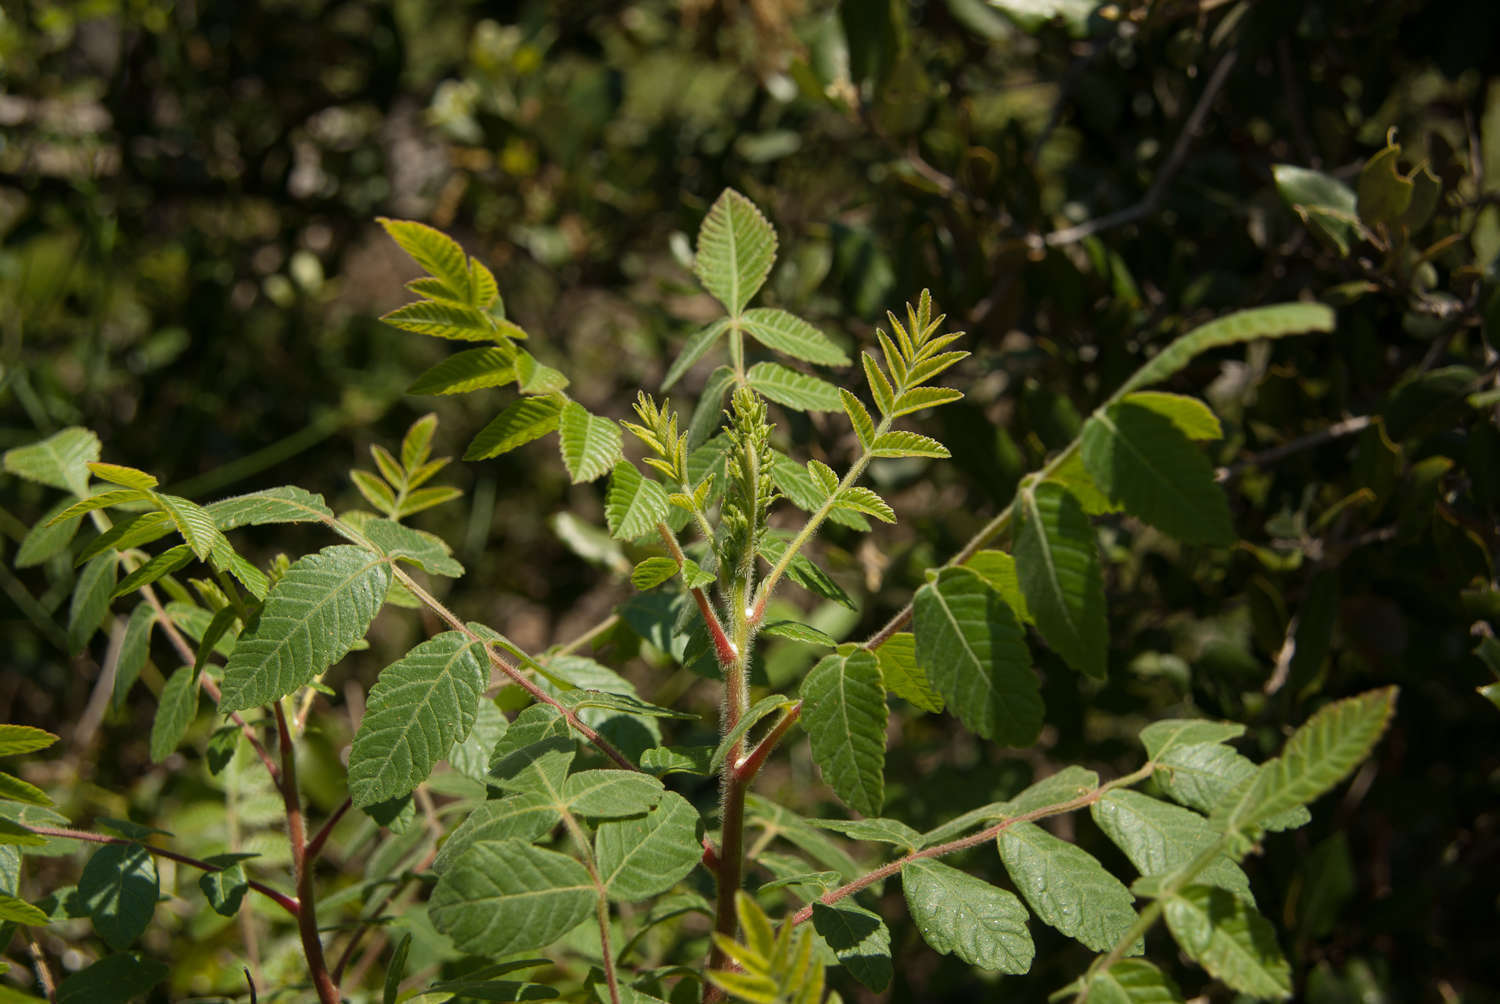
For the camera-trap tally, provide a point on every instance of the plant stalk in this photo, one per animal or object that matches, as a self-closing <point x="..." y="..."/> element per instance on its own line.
<point x="307" y="915"/>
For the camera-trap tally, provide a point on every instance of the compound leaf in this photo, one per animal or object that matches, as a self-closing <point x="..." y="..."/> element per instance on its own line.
<point x="436" y="252"/>
<point x="312" y="617"/>
<point x="523" y="817"/>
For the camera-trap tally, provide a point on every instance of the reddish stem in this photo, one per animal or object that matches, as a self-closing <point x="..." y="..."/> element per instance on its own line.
<point x="747" y="768"/>
<point x="315" y="845"/>
<point x="307" y="917"/>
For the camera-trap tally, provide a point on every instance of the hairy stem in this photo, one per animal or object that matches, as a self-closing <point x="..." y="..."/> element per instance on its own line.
<point x="734" y="782"/>
<point x="307" y="916"/>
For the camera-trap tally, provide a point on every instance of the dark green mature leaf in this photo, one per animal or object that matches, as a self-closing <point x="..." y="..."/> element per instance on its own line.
<point x="1057" y="561"/>
<point x="114" y="978"/>
<point x="61" y="460"/>
<point x="535" y="752"/>
<point x="418" y="709"/>
<point x="961" y="915"/>
<point x="844" y="713"/>
<point x="859" y="938"/>
<point x="119" y="888"/>
<point x="1226" y="936"/>
<point x="696" y="347"/>
<point x="793" y="389"/>
<point x="1132" y="981"/>
<point x="1140" y="458"/>
<point x="590" y="443"/>
<point x="165" y="563"/>
<point x="499" y="897"/>
<point x="179" y="704"/>
<point x="1196" y="420"/>
<point x="523" y="817"/>
<point x="471" y="756"/>
<point x="225" y="888"/>
<point x="802" y="570"/>
<point x="736" y="247"/>
<point x="1318" y="756"/>
<point x="998" y="570"/>
<point x="427" y="551"/>
<point x="471" y="369"/>
<point x="678" y="760"/>
<point x="610" y="794"/>
<point x="1159" y="838"/>
<point x="91" y="596"/>
<point x="635" y="504"/>
<point x="885" y="831"/>
<point x="970" y="646"/>
<point x="1066" y="887"/>
<point x="1200" y="775"/>
<point x="312" y="617"/>
<point x="1326" y="205"/>
<point x="286" y="504"/>
<point x="1274" y="321"/>
<point x="776" y="329"/>
<point x="903" y="676"/>
<point x="524" y="420"/>
<point x="1054" y="789"/>
<point x="647" y="855"/>
<point x="1161" y="737"/>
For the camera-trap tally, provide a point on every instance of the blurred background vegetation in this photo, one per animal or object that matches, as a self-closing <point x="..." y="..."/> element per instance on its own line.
<point x="189" y="266"/>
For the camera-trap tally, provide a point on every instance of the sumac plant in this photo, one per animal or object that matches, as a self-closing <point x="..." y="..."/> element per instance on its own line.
<point x="531" y="826"/>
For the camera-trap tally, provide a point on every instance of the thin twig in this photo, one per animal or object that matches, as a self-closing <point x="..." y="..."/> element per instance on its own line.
<point x="1337" y="430"/>
<point x="307" y="916"/>
<point x="1154" y="194"/>
<point x="315" y="845"/>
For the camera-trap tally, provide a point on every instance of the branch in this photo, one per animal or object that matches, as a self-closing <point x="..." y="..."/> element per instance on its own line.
<point x="1154" y="194"/>
<point x="281" y="899"/>
<point x="307" y="917"/>
<point x="1337" y="430"/>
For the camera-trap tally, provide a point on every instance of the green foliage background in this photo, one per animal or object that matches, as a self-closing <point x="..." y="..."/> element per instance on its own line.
<point x="189" y="265"/>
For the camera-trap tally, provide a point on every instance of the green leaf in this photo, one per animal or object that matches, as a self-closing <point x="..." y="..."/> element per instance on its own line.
<point x="1073" y="476"/>
<point x="635" y="504"/>
<point x="442" y="319"/>
<point x="114" y="978"/>
<point x="162" y="564"/>
<point x="802" y="570"/>
<point x="864" y="426"/>
<point x="1191" y="416"/>
<point x="1226" y="936"/>
<point x="1140" y="458"/>
<point x="48" y="538"/>
<point x="696" y="347"/>
<point x="500" y="897"/>
<point x="523" y="817"/>
<point x="436" y="252"/>
<point x="428" y="551"/>
<point x="797" y="631"/>
<point x="286" y="504"/>
<point x="736" y="248"/>
<point x="471" y="756"/>
<point x="1132" y="981"/>
<point x="971" y="648"/>
<point x="885" y="831"/>
<point x="119" y="474"/>
<point x="395" y="972"/>
<point x="678" y="760"/>
<point x="792" y="389"/>
<point x="590" y="443"/>
<point x="534" y="378"/>
<point x="780" y="821"/>
<point x="861" y="499"/>
<point x="102" y="500"/>
<point x="768" y="705"/>
<point x="133" y="532"/>
<point x="610" y="794"/>
<point x="416" y="445"/>
<point x="312" y="617"/>
<point x="1066" y="887"/>
<point x="958" y="914"/>
<point x="471" y="369"/>
<point x="119" y="889"/>
<point x="1057" y="561"/>
<point x="859" y="938"/>
<point x="1200" y="775"/>
<point x="1383" y="193"/>
<point x="375" y="491"/>
<point x="880" y="387"/>
<point x="14" y="910"/>
<point x="418" y="709"/>
<point x="17" y="739"/>
<point x="652" y="572"/>
<point x="15" y="790"/>
<point x="708" y="413"/>
<point x="1159" y="838"/>
<point x="776" y="329"/>
<point x="903" y="676"/>
<point x="807" y="489"/>
<point x="1319" y="755"/>
<point x="535" y="752"/>
<point x="61" y="460"/>
<point x="91" y="596"/>
<point x="179" y="704"/>
<point x="198" y="530"/>
<point x="225" y="889"/>
<point x="1163" y="736"/>
<point x="908" y="444"/>
<point x="647" y="855"/>
<point x="1275" y="321"/>
<point x="527" y="419"/>
<point x="998" y="570"/>
<point x="844" y="713"/>
<point x="922" y="398"/>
